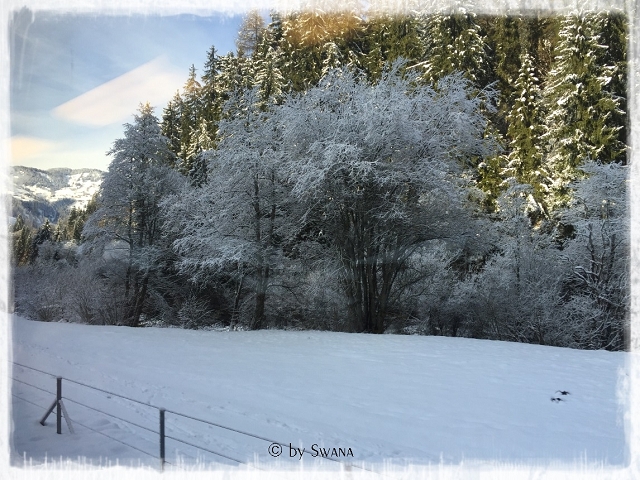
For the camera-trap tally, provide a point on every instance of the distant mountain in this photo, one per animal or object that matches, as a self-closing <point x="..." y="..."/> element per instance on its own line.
<point x="39" y="194"/>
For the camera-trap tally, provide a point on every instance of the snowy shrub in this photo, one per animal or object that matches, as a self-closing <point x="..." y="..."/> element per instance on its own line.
<point x="50" y="252"/>
<point x="599" y="255"/>
<point x="110" y="310"/>
<point x="194" y="313"/>
<point x="40" y="291"/>
<point x="430" y="282"/>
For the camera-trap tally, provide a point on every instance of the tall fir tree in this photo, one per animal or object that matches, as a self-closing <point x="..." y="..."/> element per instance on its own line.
<point x="524" y="160"/>
<point x="332" y="57"/>
<point x="456" y="43"/>
<point x="201" y="142"/>
<point x="22" y="237"/>
<point x="212" y="94"/>
<point x="236" y="74"/>
<point x="171" y="126"/>
<point x="581" y="110"/>
<point x="613" y="27"/>
<point x="44" y="234"/>
<point x="189" y="117"/>
<point x="268" y="74"/>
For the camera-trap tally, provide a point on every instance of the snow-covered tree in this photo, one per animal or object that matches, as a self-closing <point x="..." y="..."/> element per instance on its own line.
<point x="22" y="239"/>
<point x="600" y="255"/>
<point x="195" y="157"/>
<point x="250" y="34"/>
<point x="378" y="167"/>
<point x="525" y="131"/>
<point x="236" y="74"/>
<point x="268" y="75"/>
<point x="44" y="234"/>
<point x="139" y="177"/>
<point x="236" y="220"/>
<point x="455" y="43"/>
<point x="190" y="113"/>
<point x="517" y="296"/>
<point x="212" y="92"/>
<point x="171" y="126"/>
<point x="579" y="106"/>
<point x="332" y="58"/>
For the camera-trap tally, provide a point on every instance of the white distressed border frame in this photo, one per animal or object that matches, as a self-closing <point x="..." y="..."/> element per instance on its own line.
<point x="629" y="387"/>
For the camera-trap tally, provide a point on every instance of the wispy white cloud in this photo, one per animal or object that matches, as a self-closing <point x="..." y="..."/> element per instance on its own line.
<point x="114" y="102"/>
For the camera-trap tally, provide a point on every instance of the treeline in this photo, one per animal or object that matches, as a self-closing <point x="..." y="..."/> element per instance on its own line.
<point x="435" y="174"/>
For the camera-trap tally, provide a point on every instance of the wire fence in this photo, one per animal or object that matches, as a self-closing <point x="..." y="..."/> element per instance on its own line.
<point x="162" y="435"/>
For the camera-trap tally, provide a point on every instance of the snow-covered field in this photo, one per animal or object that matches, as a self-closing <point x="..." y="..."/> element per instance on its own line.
<point x="393" y="400"/>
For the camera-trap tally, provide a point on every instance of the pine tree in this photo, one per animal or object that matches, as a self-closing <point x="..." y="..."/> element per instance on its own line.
<point x="19" y="224"/>
<point x="44" y="234"/>
<point x="332" y="57"/>
<point x="189" y="117"/>
<point x="236" y="74"/>
<point x="455" y="43"/>
<point x="211" y="92"/>
<point x="580" y="120"/>
<point x="58" y="234"/>
<point x="268" y="76"/>
<point x="195" y="156"/>
<point x="525" y="129"/>
<point x="275" y="30"/>
<point x="22" y="240"/>
<point x="305" y="36"/>
<point x="506" y="37"/>
<point x="613" y="26"/>
<point x="398" y="35"/>
<point x="172" y="125"/>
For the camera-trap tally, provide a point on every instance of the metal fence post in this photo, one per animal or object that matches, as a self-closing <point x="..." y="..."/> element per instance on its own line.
<point x="58" y="409"/>
<point x="161" y="439"/>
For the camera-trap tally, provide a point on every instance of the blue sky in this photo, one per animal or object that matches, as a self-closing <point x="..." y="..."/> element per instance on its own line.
<point x="75" y="79"/>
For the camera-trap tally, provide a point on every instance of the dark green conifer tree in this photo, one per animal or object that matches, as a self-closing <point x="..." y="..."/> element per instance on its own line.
<point x="171" y="126"/>
<point x="580" y="108"/>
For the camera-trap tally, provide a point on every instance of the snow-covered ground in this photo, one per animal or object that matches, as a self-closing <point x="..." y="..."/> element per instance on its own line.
<point x="393" y="400"/>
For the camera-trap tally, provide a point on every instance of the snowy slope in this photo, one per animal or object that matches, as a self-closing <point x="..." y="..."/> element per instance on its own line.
<point x="38" y="194"/>
<point x="391" y="399"/>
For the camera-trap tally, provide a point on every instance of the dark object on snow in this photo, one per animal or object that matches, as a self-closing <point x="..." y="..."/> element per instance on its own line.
<point x="556" y="399"/>
<point x="562" y="392"/>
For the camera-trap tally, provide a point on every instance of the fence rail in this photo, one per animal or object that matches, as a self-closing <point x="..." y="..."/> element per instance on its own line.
<point x="58" y="405"/>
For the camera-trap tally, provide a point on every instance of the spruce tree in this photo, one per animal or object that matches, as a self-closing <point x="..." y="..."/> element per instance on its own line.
<point x="505" y="38"/>
<point x="171" y="125"/>
<point x="236" y="74"/>
<point x="332" y="57"/>
<point x="22" y="240"/>
<point x="19" y="224"/>
<point x="580" y="107"/>
<point x="525" y="129"/>
<point x="201" y="142"/>
<point x="455" y="43"/>
<point x="189" y="117"/>
<point x="268" y="75"/>
<point x="44" y="234"/>
<point x="613" y="26"/>
<point x="211" y="92"/>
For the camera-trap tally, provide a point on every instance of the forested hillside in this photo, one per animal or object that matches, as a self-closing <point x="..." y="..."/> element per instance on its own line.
<point x="447" y="174"/>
